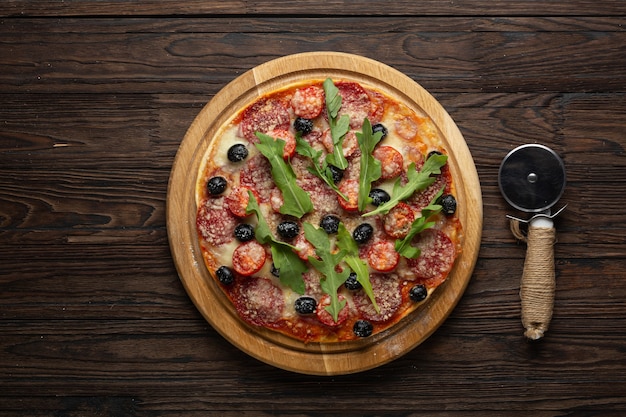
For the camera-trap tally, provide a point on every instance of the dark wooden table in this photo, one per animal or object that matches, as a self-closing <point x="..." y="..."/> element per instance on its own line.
<point x="96" y="96"/>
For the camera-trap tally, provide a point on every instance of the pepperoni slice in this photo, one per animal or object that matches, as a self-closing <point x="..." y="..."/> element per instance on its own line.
<point x="325" y="317"/>
<point x="349" y="146"/>
<point x="304" y="248"/>
<point x="415" y="155"/>
<point x="312" y="280"/>
<point x="288" y="137"/>
<point x="377" y="106"/>
<point x="436" y="260"/>
<point x="258" y="301"/>
<point x="398" y="221"/>
<point x="349" y="188"/>
<point x="249" y="257"/>
<point x="215" y="223"/>
<point x="276" y="200"/>
<point x="256" y="174"/>
<point x="382" y="256"/>
<point x="323" y="198"/>
<point x="237" y="200"/>
<point x="421" y="199"/>
<point x="354" y="102"/>
<point x="354" y="168"/>
<point x="263" y="116"/>
<point x="308" y="102"/>
<point x="406" y="128"/>
<point x="388" y="296"/>
<point x="391" y="161"/>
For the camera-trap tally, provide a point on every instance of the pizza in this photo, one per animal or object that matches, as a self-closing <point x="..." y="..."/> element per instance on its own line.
<point x="326" y="211"/>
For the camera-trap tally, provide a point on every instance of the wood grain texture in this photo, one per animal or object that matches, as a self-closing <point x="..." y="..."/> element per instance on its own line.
<point x="95" y="100"/>
<point x="194" y="57"/>
<point x="307" y="7"/>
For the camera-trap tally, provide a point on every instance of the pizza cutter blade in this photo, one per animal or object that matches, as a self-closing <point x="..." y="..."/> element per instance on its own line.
<point x="532" y="179"/>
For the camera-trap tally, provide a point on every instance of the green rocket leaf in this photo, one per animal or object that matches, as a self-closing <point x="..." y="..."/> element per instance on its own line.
<point x="327" y="265"/>
<point x="346" y="243"/>
<point x="370" y="166"/>
<point x="403" y="246"/>
<point x="417" y="180"/>
<point x="291" y="267"/>
<point x="338" y="127"/>
<point x="296" y="201"/>
<point x="320" y="167"/>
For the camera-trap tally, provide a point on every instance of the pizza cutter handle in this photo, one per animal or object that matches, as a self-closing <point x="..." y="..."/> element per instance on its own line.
<point x="538" y="280"/>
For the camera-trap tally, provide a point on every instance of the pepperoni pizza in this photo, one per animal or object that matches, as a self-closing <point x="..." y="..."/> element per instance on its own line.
<point x="326" y="211"/>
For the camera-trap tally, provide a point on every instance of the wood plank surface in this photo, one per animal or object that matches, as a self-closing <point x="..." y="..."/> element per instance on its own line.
<point x="192" y="58"/>
<point x="309" y="7"/>
<point x="96" y="96"/>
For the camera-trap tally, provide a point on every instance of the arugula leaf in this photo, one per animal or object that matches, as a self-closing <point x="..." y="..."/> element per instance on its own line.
<point x="403" y="246"/>
<point x="416" y="181"/>
<point x="320" y="168"/>
<point x="327" y="266"/>
<point x="285" y="259"/>
<point x="290" y="267"/>
<point x="359" y="267"/>
<point x="338" y="128"/>
<point x="370" y="166"/>
<point x="262" y="232"/>
<point x="333" y="98"/>
<point x="296" y="201"/>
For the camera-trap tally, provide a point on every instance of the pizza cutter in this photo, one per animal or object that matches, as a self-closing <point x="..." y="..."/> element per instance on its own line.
<point x="532" y="179"/>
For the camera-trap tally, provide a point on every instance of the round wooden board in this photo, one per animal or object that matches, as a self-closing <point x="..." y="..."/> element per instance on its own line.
<point x="274" y="348"/>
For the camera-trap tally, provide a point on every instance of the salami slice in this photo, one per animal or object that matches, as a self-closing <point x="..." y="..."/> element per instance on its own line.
<point x="421" y="199"/>
<point x="308" y="102"/>
<point x="382" y="256"/>
<point x="350" y="145"/>
<point x="249" y="258"/>
<point x="326" y="318"/>
<point x="314" y="139"/>
<point x="237" y="200"/>
<point x="312" y="280"/>
<point x="323" y="198"/>
<point x="406" y="128"/>
<point x="354" y="102"/>
<point x="259" y="301"/>
<point x="388" y="296"/>
<point x="288" y="137"/>
<point x="215" y="222"/>
<point x="436" y="260"/>
<point x="304" y="248"/>
<point x="276" y="200"/>
<point x="398" y="221"/>
<point x="391" y="162"/>
<point x="377" y="106"/>
<point x="257" y="175"/>
<point x="263" y="116"/>
<point x="349" y="188"/>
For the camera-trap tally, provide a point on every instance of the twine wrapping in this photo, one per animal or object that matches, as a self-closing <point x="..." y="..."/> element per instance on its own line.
<point x="538" y="280"/>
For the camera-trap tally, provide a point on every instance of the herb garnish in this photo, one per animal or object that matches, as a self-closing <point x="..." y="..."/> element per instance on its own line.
<point x="370" y="166"/>
<point x="320" y="167"/>
<point x="285" y="259"/>
<point x="296" y="201"/>
<point x="327" y="265"/>
<point x="417" y="180"/>
<point x="403" y="246"/>
<point x="346" y="243"/>
<point x="338" y="128"/>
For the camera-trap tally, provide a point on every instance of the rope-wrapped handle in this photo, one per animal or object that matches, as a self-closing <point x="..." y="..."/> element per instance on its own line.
<point x="538" y="280"/>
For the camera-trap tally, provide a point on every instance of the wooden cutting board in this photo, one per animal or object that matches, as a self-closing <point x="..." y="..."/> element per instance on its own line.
<point x="277" y="349"/>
